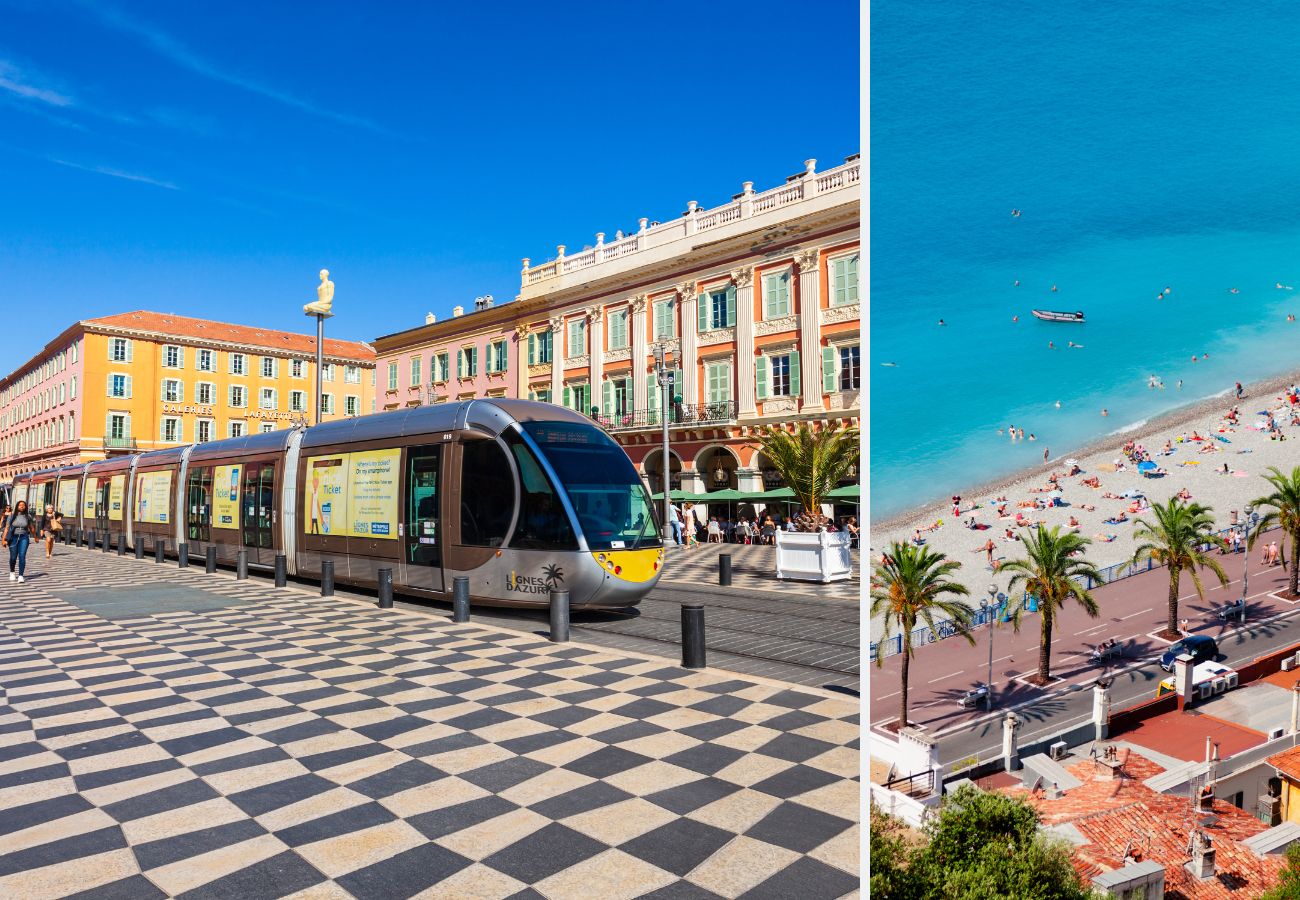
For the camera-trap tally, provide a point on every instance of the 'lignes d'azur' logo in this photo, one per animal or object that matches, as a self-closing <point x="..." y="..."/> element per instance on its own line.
<point x="551" y="578"/>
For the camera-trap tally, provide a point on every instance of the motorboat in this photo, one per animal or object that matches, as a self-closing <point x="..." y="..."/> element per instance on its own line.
<point x="1048" y="315"/>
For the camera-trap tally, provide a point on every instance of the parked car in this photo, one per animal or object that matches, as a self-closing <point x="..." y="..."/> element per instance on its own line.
<point x="1202" y="648"/>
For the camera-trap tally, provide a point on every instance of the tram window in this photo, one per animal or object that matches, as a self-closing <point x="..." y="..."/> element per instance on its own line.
<point x="543" y="524"/>
<point x="487" y="496"/>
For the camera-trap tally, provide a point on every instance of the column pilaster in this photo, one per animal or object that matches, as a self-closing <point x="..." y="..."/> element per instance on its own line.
<point x="637" y="312"/>
<point x="810" y="339"/>
<point x="690" y="341"/>
<point x="521" y="361"/>
<point x="556" y="324"/>
<point x="745" y="390"/>
<point x="596" y="355"/>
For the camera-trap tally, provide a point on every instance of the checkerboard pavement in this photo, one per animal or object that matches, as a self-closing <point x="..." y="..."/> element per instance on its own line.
<point x="753" y="568"/>
<point x="288" y="745"/>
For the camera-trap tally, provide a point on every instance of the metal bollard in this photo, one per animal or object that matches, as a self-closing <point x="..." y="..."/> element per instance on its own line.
<point x="159" y="550"/>
<point x="281" y="570"/>
<point x="121" y="544"/>
<point x="560" y="616"/>
<point x="385" y="588"/>
<point x="241" y="566"/>
<point x="139" y="548"/>
<point x="724" y="569"/>
<point x="693" y="636"/>
<point x="89" y="532"/>
<point x="210" y="560"/>
<point x="182" y="556"/>
<point x="107" y="544"/>
<point x="327" y="578"/>
<point x="460" y="598"/>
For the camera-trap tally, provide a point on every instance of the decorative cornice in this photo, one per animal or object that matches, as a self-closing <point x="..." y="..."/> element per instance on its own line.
<point x="521" y="331"/>
<point x="686" y="290"/>
<point x="851" y="312"/>
<point x="807" y="260"/>
<point x="592" y="314"/>
<point x="743" y="277"/>
<point x="776" y="326"/>
<point x="555" y="323"/>
<point x="618" y="355"/>
<point x="638" y="304"/>
<point x="717" y="336"/>
<point x="576" y="362"/>
<point x="539" y="369"/>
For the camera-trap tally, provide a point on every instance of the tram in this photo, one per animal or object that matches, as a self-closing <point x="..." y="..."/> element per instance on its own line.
<point x="520" y="497"/>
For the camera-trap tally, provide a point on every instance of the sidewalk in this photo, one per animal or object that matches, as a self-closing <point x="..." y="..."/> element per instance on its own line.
<point x="169" y="733"/>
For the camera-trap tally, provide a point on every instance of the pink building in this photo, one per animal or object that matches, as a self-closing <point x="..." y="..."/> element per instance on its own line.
<point x="470" y="355"/>
<point x="40" y="407"/>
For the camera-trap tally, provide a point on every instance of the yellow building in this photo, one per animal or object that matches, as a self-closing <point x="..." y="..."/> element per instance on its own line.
<point x="143" y="381"/>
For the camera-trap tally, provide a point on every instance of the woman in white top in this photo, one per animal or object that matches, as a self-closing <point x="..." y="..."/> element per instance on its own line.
<point x="715" y="532"/>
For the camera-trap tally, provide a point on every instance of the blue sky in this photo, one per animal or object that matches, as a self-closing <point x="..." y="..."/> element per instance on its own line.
<point x="209" y="158"/>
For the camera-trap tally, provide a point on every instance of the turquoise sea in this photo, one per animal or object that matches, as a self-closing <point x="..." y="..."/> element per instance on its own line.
<point x="1147" y="147"/>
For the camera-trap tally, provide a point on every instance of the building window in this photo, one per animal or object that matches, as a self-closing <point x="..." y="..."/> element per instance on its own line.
<point x="352" y="374"/>
<point x="578" y="398"/>
<point x="467" y="362"/>
<point x="776" y="295"/>
<point x="203" y="430"/>
<point x="238" y="364"/>
<point x="63" y="394"/>
<point x="577" y="336"/>
<point x="238" y="396"/>
<point x="119" y="426"/>
<point x="119" y="385"/>
<point x="173" y="391"/>
<point x="620" y="399"/>
<point x="268" y="427"/>
<point x="171" y="430"/>
<point x="119" y="350"/>
<point x="236" y="429"/>
<point x="718" y="309"/>
<point x="296" y="368"/>
<point x="327" y="372"/>
<point x="441" y="368"/>
<point x="270" y="367"/>
<point x="392" y="376"/>
<point x="497" y="361"/>
<point x="269" y="399"/>
<point x="844" y="280"/>
<point x="74" y="354"/>
<point x="327" y="404"/>
<point x="618" y="329"/>
<point x="297" y="401"/>
<point x="72" y="388"/>
<point x="352" y="405"/>
<point x="415" y="371"/>
<point x="542" y="395"/>
<point x="172" y="357"/>
<point x="780" y="376"/>
<point x="664" y="320"/>
<point x="205" y="393"/>
<point x="850" y="373"/>
<point x="207" y="361"/>
<point x="718" y="381"/>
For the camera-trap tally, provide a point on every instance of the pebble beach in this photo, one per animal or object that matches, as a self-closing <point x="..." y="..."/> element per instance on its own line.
<point x="1195" y="466"/>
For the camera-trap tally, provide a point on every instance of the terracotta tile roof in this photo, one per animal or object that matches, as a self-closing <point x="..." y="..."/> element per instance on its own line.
<point x="1287" y="762"/>
<point x="205" y="329"/>
<point x="1118" y="815"/>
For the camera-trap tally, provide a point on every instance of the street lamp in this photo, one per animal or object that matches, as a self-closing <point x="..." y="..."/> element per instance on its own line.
<point x="665" y="378"/>
<point x="1251" y="520"/>
<point x="991" y="605"/>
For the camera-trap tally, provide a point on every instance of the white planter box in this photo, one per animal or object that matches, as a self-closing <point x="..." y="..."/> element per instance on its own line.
<point x="818" y="557"/>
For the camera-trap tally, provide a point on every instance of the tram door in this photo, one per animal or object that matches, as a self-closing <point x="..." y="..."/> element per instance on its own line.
<point x="259" y="505"/>
<point x="101" y="503"/>
<point x="198" y="505"/>
<point x="423" y="519"/>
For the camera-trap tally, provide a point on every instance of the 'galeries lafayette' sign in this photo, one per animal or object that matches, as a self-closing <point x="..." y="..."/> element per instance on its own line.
<point x="177" y="409"/>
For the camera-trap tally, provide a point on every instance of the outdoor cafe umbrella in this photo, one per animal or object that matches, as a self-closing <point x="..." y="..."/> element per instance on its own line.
<point x="846" y="492"/>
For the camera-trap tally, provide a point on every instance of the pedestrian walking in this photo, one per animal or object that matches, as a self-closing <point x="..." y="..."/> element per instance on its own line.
<point x="676" y="523"/>
<point x="17" y="536"/>
<point x="45" y="527"/>
<point x="1182" y="626"/>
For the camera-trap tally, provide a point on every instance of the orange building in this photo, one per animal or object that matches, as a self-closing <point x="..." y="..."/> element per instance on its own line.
<point x="144" y="380"/>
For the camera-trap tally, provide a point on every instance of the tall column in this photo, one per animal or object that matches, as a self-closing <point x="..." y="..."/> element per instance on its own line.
<point x="637" y="311"/>
<point x="521" y="362"/>
<point x="690" y="342"/>
<point x="744" y="279"/>
<point x="596" y="355"/>
<point x="810" y="336"/>
<point x="557" y="359"/>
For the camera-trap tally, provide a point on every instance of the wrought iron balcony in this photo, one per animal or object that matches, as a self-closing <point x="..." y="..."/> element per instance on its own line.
<point x="680" y="415"/>
<point x="119" y="443"/>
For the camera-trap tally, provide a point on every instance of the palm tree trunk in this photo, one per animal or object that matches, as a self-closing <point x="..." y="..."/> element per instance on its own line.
<point x="1295" y="561"/>
<point x="1045" y="648"/>
<point x="902" y="707"/>
<point x="1174" y="575"/>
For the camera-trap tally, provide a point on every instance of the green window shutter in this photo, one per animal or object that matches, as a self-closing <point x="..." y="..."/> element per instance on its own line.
<point x="652" y="392"/>
<point x="794" y="373"/>
<point x="568" y="398"/>
<point x="460" y="363"/>
<point x="760" y="378"/>
<point x="487" y="356"/>
<point x="606" y="397"/>
<point x="731" y="306"/>
<point x="851" y="268"/>
<point x="532" y="349"/>
<point x="785" y="293"/>
<point x="828" y="370"/>
<point x="769" y="297"/>
<point x="704" y="301"/>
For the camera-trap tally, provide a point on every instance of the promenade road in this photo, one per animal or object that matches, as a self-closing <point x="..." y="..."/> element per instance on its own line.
<point x="167" y="733"/>
<point x="1131" y="610"/>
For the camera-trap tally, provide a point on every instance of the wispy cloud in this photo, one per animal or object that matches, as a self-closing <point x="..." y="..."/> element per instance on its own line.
<point x="170" y="48"/>
<point x="115" y="173"/>
<point x="21" y="84"/>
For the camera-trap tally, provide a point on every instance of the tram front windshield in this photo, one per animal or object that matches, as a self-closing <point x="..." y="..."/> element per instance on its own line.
<point x="612" y="504"/>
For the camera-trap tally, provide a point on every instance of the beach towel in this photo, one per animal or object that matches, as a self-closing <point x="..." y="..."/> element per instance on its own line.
<point x="1106" y="467"/>
<point x="1240" y="474"/>
<point x="1219" y="437"/>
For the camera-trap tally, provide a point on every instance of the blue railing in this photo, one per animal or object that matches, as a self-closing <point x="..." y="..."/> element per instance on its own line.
<point x="947" y="628"/>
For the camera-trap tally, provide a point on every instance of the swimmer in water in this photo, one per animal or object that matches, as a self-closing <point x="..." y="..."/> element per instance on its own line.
<point x="1071" y="343"/>
<point x="1051" y="346"/>
<point x="1233" y="291"/>
<point x="1022" y="434"/>
<point x="1015" y="214"/>
<point x="941" y="322"/>
<point x="1032" y="438"/>
<point x="1180" y="384"/>
<point x="1169" y="290"/>
<point x="1053" y="289"/>
<point x="1015" y="318"/>
<point x="1016" y="283"/>
<point x="1105" y="412"/>
<point x="1058" y="404"/>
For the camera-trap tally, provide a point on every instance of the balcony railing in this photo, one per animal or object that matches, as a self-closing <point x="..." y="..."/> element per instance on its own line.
<point x="120" y="443"/>
<point x="679" y="415"/>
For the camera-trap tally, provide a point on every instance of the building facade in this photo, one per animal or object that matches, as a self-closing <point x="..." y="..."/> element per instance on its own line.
<point x="755" y="304"/>
<point x="142" y="381"/>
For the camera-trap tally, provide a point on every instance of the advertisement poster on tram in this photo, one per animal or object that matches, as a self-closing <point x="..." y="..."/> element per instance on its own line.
<point x="225" y="497"/>
<point x="68" y="496"/>
<point x="325" y="497"/>
<point x="116" y="497"/>
<point x="152" y="496"/>
<point x="373" y="493"/>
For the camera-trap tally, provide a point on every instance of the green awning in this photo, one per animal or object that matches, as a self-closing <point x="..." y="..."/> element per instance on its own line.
<point x="773" y="496"/>
<point x="847" y="492"/>
<point x="678" y="496"/>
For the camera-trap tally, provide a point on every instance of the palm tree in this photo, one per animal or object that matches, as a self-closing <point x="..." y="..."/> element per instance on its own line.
<point x="909" y="586"/>
<point x="1051" y="574"/>
<point x="811" y="463"/>
<point x="1177" y="539"/>
<point x="1285" y="501"/>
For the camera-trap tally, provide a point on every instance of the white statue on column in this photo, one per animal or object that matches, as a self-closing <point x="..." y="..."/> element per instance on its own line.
<point x="324" y="297"/>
